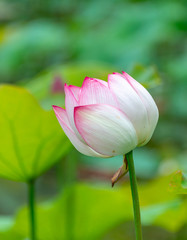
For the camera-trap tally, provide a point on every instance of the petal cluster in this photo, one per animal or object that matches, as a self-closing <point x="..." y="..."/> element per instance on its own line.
<point x="105" y="119"/>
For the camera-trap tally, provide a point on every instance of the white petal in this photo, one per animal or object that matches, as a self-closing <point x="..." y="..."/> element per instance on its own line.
<point x="105" y="129"/>
<point x="95" y="92"/>
<point x="102" y="82"/>
<point x="152" y="110"/>
<point x="131" y="104"/>
<point x="75" y="90"/>
<point x="64" y="122"/>
<point x="70" y="103"/>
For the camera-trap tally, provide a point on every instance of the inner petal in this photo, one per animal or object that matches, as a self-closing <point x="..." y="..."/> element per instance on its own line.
<point x="95" y="92"/>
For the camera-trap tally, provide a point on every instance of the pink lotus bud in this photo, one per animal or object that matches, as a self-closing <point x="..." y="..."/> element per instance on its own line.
<point x="106" y="119"/>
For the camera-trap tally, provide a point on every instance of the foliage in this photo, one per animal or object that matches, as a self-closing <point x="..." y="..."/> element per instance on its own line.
<point x="178" y="183"/>
<point x="97" y="209"/>
<point x="31" y="139"/>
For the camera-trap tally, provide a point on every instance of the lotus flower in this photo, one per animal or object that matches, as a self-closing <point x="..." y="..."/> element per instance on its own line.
<point x="105" y="119"/>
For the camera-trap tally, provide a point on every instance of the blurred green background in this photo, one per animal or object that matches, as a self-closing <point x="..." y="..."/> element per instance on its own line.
<point x="45" y="43"/>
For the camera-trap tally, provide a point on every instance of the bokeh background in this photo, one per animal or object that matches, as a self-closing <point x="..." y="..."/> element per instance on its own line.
<point x="45" y="43"/>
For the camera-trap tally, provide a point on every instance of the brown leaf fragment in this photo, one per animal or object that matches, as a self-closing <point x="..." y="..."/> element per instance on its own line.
<point x="120" y="172"/>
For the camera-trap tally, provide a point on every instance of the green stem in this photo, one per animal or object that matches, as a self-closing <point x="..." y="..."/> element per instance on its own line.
<point x="134" y="190"/>
<point x="31" y="202"/>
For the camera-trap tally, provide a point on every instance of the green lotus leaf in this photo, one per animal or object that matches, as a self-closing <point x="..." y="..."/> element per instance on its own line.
<point x="31" y="138"/>
<point x="88" y="212"/>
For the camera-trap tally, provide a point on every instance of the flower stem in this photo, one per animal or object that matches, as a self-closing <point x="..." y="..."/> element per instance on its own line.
<point x="31" y="202"/>
<point x="134" y="190"/>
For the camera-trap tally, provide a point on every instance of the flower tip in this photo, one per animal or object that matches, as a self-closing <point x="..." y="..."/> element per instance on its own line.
<point x="125" y="74"/>
<point x="65" y="85"/>
<point x="54" y="106"/>
<point x="86" y="78"/>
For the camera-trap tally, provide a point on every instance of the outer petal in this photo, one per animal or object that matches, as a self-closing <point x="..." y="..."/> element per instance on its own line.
<point x="105" y="129"/>
<point x="95" y="92"/>
<point x="70" y="103"/>
<point x="96" y="79"/>
<point x="81" y="147"/>
<point x="152" y="110"/>
<point x="102" y="82"/>
<point x="131" y="104"/>
<point x="75" y="90"/>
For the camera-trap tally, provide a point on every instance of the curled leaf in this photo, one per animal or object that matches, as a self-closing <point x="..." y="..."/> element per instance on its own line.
<point x="120" y="172"/>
